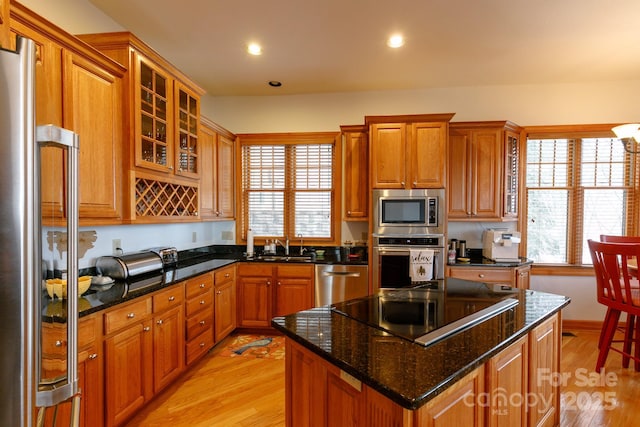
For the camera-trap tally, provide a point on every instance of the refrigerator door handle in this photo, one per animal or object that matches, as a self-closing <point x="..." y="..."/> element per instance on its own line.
<point x="52" y="394"/>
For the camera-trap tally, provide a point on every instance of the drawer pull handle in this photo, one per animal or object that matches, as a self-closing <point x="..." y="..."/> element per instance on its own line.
<point x="218" y="292"/>
<point x="160" y="322"/>
<point x="227" y="275"/>
<point x="202" y="302"/>
<point x="481" y="275"/>
<point x="59" y="343"/>
<point x="131" y="315"/>
<point x="201" y="285"/>
<point x="146" y="329"/>
<point x="172" y="298"/>
<point x="202" y="322"/>
<point x="93" y="356"/>
<point x="201" y="344"/>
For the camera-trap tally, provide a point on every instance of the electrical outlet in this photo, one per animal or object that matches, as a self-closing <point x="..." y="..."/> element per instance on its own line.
<point x="116" y="246"/>
<point x="194" y="237"/>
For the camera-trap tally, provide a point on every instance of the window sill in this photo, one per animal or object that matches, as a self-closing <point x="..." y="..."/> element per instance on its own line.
<point x="561" y="270"/>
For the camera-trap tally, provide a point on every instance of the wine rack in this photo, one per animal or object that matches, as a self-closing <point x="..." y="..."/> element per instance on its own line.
<point x="163" y="199"/>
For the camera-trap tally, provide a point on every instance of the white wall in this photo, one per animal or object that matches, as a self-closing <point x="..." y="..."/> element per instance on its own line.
<point x="603" y="102"/>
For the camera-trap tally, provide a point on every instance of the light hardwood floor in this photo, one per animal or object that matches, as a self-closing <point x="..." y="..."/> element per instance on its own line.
<point x="225" y="391"/>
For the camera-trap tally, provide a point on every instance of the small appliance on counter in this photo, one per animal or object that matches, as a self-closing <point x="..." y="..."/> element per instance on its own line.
<point x="501" y="245"/>
<point x="129" y="266"/>
<point x="168" y="254"/>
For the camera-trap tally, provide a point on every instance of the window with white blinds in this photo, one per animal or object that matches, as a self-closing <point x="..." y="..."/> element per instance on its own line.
<point x="576" y="189"/>
<point x="288" y="189"/>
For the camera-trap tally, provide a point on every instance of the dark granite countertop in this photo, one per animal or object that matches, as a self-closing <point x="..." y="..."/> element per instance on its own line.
<point x="486" y="262"/>
<point x="408" y="373"/>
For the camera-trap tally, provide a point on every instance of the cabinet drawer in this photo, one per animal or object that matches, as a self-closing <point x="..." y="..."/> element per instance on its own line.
<point x="199" y="303"/>
<point x="224" y="275"/>
<point x="167" y="298"/>
<point x="255" y="269"/>
<point x="199" y="285"/>
<point x="87" y="330"/>
<point x="482" y="274"/>
<point x="198" y="323"/>
<point x="127" y="315"/>
<point x="305" y="271"/>
<point x="200" y="345"/>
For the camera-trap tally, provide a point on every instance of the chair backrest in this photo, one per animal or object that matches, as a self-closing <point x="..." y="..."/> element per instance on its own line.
<point x="619" y="239"/>
<point x="615" y="285"/>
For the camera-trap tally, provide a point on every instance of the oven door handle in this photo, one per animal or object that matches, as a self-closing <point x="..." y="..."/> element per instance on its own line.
<point x="394" y="251"/>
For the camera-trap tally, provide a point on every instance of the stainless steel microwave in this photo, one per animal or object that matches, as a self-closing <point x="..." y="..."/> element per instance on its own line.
<point x="408" y="211"/>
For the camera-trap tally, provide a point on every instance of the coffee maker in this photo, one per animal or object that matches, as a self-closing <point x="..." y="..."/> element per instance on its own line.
<point x="501" y="245"/>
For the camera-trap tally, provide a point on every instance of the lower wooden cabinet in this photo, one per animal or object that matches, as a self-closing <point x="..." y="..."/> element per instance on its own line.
<point x="506" y="383"/>
<point x="224" y="302"/>
<point x="199" y="316"/>
<point x="544" y="359"/>
<point x="90" y="359"/>
<point x="318" y="393"/>
<point x="268" y="290"/>
<point x="144" y="351"/>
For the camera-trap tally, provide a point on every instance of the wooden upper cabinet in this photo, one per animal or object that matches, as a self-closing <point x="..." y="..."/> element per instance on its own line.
<point x="164" y="107"/>
<point x="154" y="127"/>
<point x="81" y="90"/>
<point x="92" y="97"/>
<point x="5" y="33"/>
<point x="356" y="170"/>
<point x="482" y="179"/>
<point x="408" y="151"/>
<point x="388" y="154"/>
<point x="217" y="176"/>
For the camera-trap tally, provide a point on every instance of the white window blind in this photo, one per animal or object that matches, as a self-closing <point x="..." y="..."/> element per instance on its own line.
<point x="288" y="190"/>
<point x="577" y="189"/>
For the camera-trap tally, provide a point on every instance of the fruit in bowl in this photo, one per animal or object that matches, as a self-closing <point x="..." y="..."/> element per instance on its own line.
<point x="58" y="287"/>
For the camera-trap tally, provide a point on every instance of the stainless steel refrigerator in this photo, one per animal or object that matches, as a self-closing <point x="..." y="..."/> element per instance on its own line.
<point x="26" y="381"/>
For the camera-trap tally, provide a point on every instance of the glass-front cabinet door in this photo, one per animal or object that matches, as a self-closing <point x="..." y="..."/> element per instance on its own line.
<point x="188" y="115"/>
<point x="154" y="148"/>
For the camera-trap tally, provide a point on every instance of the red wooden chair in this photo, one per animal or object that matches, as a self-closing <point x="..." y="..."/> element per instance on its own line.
<point x="633" y="265"/>
<point x="615" y="291"/>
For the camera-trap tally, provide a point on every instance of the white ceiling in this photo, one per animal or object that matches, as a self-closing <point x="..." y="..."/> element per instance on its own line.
<point x="315" y="46"/>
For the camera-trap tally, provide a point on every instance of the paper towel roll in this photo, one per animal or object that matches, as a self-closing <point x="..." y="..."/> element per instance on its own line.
<point x="249" y="243"/>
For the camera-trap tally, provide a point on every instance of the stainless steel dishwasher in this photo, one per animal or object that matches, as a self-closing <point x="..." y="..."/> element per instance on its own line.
<point x="340" y="282"/>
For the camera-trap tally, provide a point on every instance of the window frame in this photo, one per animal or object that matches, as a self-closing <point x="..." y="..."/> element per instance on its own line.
<point x="573" y="132"/>
<point x="294" y="138"/>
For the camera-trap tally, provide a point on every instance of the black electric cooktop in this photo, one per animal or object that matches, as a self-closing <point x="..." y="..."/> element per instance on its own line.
<point x="426" y="316"/>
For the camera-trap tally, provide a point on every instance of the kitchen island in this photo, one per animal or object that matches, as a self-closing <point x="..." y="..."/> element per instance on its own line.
<point x="342" y="369"/>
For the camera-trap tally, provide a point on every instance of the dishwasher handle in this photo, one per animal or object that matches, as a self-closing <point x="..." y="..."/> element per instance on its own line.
<point x="341" y="273"/>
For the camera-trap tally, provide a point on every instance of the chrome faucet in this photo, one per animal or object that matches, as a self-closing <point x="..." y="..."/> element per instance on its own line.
<point x="285" y="246"/>
<point x="302" y="249"/>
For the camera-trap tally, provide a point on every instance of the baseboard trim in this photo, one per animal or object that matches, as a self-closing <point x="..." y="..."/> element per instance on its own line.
<point x="583" y="325"/>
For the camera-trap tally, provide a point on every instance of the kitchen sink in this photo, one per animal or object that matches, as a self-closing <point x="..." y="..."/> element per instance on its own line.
<point x="284" y="258"/>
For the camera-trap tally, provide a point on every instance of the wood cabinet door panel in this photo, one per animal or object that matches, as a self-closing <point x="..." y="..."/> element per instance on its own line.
<point x="224" y="310"/>
<point x="356" y="179"/>
<point x="254" y="301"/>
<point x="458" y="178"/>
<point x="293" y="295"/>
<point x="225" y="178"/>
<point x="305" y="388"/>
<point x="207" y="143"/>
<point x="128" y="372"/>
<point x="506" y="380"/>
<point x="487" y="179"/>
<point x="388" y="154"/>
<point x="427" y="155"/>
<point x="168" y="350"/>
<point x="544" y="349"/>
<point x="93" y="102"/>
<point x="345" y="403"/>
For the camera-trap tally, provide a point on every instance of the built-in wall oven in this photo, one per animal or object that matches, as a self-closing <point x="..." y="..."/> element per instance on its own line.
<point x="406" y="222"/>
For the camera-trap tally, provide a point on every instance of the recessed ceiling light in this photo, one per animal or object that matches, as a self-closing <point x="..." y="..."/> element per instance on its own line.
<point x="275" y="83"/>
<point x="395" y="41"/>
<point x="254" y="49"/>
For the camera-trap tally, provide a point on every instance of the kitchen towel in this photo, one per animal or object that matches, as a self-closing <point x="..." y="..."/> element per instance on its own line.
<point x="420" y="265"/>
